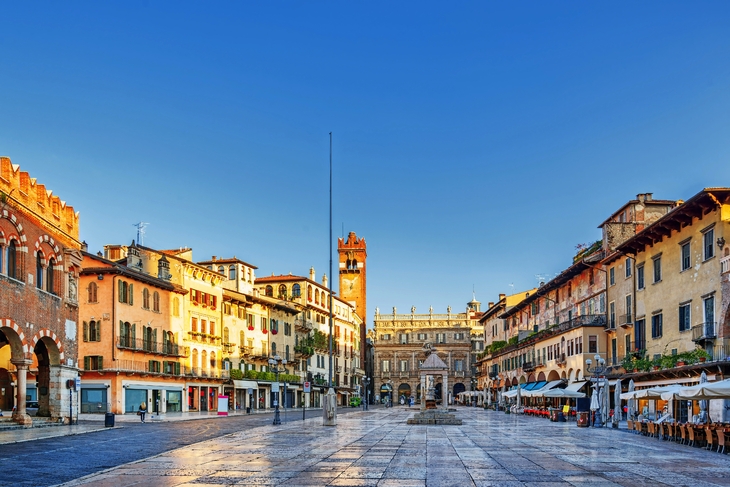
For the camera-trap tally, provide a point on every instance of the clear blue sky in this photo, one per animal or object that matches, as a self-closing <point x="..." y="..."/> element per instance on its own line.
<point x="474" y="144"/>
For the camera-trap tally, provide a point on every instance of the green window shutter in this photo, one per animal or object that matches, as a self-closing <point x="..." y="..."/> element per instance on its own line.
<point x="86" y="331"/>
<point x="87" y="363"/>
<point x="98" y="331"/>
<point x="101" y="362"/>
<point x="131" y="294"/>
<point x="177" y="368"/>
<point x="134" y="335"/>
<point x="154" y="340"/>
<point x="121" y="291"/>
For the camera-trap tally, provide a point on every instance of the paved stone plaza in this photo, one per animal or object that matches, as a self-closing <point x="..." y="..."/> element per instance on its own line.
<point x="378" y="448"/>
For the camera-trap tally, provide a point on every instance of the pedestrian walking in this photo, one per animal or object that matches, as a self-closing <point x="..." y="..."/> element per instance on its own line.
<point x="142" y="410"/>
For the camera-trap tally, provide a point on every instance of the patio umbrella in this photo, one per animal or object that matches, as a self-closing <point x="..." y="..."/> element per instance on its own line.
<point x="703" y="403"/>
<point x="631" y="401"/>
<point x="605" y="401"/>
<point x="708" y="390"/>
<point x="563" y="393"/>
<point x="595" y="405"/>
<point x="501" y="396"/>
<point x="617" y="410"/>
<point x="488" y="392"/>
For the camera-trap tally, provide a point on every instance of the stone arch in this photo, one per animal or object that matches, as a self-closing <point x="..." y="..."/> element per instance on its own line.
<point x="458" y="388"/>
<point x="404" y="390"/>
<point x="514" y="381"/>
<point x="52" y="343"/>
<point x="16" y="339"/>
<point x="562" y="376"/>
<point x="523" y="379"/>
<point x="541" y="376"/>
<point x="571" y="375"/>
<point x="531" y="378"/>
<point x="578" y="374"/>
<point x="52" y="250"/>
<point x="553" y="375"/>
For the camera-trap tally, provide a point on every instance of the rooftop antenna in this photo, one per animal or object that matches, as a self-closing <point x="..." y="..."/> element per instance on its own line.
<point x="541" y="278"/>
<point x="512" y="286"/>
<point x="140" y="231"/>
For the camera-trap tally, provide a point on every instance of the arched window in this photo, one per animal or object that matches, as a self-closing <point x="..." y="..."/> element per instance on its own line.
<point x="232" y="272"/>
<point x="354" y="265"/>
<point x="269" y="291"/>
<point x="213" y="362"/>
<point x="221" y="270"/>
<point x="286" y="355"/>
<point x="226" y="335"/>
<point x="156" y="301"/>
<point x="309" y="293"/>
<point x="273" y="348"/>
<point x="146" y="298"/>
<point x="570" y="289"/>
<point x="194" y="362"/>
<point x="204" y="362"/>
<point x="316" y="296"/>
<point x="12" y="260"/>
<point x="212" y="327"/>
<point x="282" y="291"/>
<point x="92" y="292"/>
<point x="242" y="338"/>
<point x="50" y="281"/>
<point x="296" y="291"/>
<point x="39" y="271"/>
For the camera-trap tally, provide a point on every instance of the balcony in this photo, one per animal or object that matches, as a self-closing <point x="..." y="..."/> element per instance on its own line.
<point x="303" y="326"/>
<point x="228" y="347"/>
<point x="610" y="325"/>
<point x="244" y="351"/>
<point x="260" y="353"/>
<point x="303" y="351"/>
<point x="404" y="373"/>
<point x="625" y="321"/>
<point x="704" y="331"/>
<point x="139" y="344"/>
<point x="528" y="366"/>
<point x="459" y="373"/>
<point x="725" y="264"/>
<point x="141" y="367"/>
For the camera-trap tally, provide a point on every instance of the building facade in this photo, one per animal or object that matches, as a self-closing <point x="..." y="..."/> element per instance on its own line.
<point x="398" y="343"/>
<point x="40" y="259"/>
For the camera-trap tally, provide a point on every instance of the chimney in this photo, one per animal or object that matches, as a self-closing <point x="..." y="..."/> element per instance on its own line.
<point x="312" y="275"/>
<point x="324" y="280"/>
<point x="84" y="246"/>
<point x="213" y="258"/>
<point x="490" y="305"/>
<point x="502" y="296"/>
<point x="163" y="269"/>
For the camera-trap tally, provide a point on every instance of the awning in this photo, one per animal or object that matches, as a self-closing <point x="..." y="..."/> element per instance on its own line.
<point x="576" y="386"/>
<point x="535" y="392"/>
<point x="245" y="384"/>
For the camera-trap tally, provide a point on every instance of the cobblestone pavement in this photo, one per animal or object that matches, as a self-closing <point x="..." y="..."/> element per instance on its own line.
<point x="378" y="448"/>
<point x="51" y="455"/>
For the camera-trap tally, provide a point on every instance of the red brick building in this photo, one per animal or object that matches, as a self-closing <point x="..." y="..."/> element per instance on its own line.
<point x="40" y="260"/>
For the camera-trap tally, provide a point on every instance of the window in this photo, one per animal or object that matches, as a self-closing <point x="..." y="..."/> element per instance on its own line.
<point x="50" y="285"/>
<point x="12" y="260"/>
<point x="459" y="365"/>
<point x="385" y="366"/>
<point x="579" y="345"/>
<point x="126" y="292"/>
<point x="146" y="298"/>
<point x="269" y="291"/>
<point x="264" y="325"/>
<point x="684" y="317"/>
<point x="92" y="290"/>
<point x="127" y="334"/>
<point x="709" y="308"/>
<point x="232" y="272"/>
<point x="627" y="265"/>
<point x="592" y="344"/>
<point x="612" y="315"/>
<point x="657" y="263"/>
<point x="282" y="291"/>
<point x="628" y="309"/>
<point x="570" y="289"/>
<point x="92" y="331"/>
<point x="403" y="366"/>
<point x="385" y="336"/>
<point x="685" y="263"/>
<point x="591" y="277"/>
<point x="640" y="276"/>
<point x="39" y="270"/>
<point x="708" y="243"/>
<point x="440" y="337"/>
<point x="612" y="276"/>
<point x="423" y="336"/>
<point x="296" y="291"/>
<point x="656" y="326"/>
<point x="93" y="362"/>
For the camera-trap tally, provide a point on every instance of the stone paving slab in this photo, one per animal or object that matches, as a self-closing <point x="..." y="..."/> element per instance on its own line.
<point x="377" y="448"/>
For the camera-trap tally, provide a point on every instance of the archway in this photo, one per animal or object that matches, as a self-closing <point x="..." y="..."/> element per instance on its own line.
<point x="541" y="376"/>
<point x="47" y="359"/>
<point x="7" y="391"/>
<point x="571" y="375"/>
<point x="514" y="381"/>
<point x="459" y="388"/>
<point x="553" y="375"/>
<point x="418" y="392"/>
<point x="404" y="392"/>
<point x="578" y="374"/>
<point x="523" y="379"/>
<point x="531" y="378"/>
<point x="562" y="376"/>
<point x="385" y="392"/>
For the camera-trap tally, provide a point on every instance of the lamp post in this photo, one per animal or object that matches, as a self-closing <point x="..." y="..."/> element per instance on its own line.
<point x="597" y="371"/>
<point x="365" y="384"/>
<point x="277" y="365"/>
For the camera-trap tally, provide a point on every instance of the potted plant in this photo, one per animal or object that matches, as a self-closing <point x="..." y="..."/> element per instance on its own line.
<point x="628" y="363"/>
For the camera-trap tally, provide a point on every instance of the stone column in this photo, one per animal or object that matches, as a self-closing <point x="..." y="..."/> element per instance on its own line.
<point x="20" y="416"/>
<point x="423" y="391"/>
<point x="445" y="391"/>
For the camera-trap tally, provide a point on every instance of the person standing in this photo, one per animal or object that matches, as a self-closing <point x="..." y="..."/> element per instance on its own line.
<point x="142" y="410"/>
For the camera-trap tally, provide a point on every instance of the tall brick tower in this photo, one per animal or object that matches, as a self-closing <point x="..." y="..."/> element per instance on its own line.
<point x="353" y="284"/>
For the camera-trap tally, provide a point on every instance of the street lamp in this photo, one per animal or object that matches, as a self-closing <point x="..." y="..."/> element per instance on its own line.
<point x="365" y="384"/>
<point x="277" y="365"/>
<point x="597" y="371"/>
